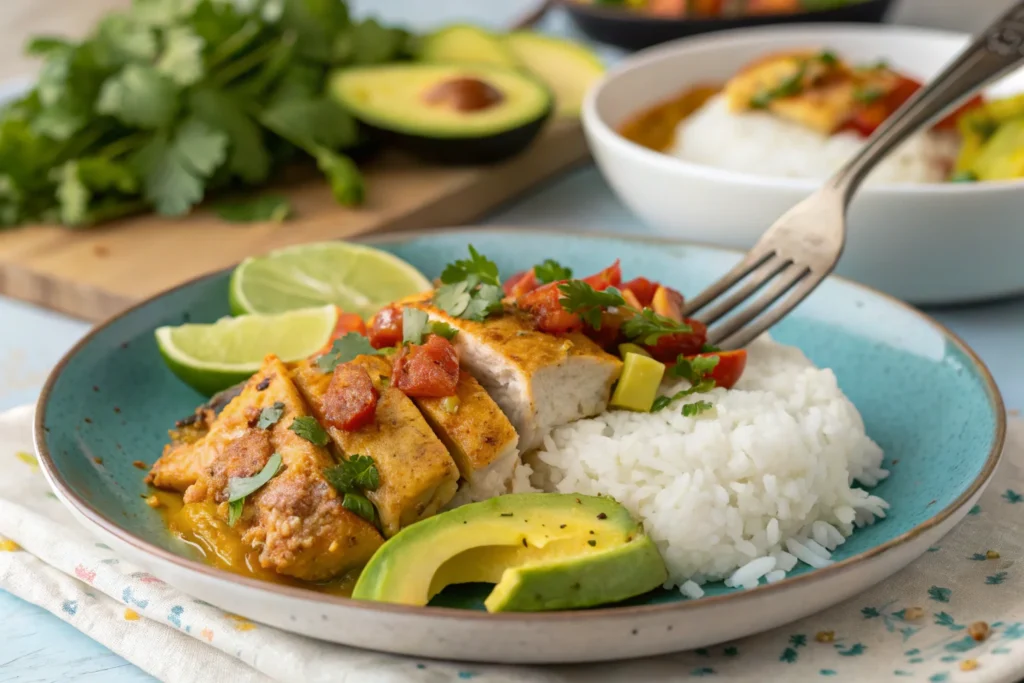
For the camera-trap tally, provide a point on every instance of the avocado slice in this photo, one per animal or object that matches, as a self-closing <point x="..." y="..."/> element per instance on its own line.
<point x="446" y="113"/>
<point x="543" y="550"/>
<point x="465" y="44"/>
<point x="568" y="68"/>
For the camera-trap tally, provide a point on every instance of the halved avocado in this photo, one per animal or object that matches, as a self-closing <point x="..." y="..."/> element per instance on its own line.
<point x="447" y="113"/>
<point x="542" y="550"/>
<point x="568" y="68"/>
<point x="465" y="44"/>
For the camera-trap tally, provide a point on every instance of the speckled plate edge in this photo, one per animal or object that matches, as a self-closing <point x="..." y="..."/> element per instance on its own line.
<point x="83" y="508"/>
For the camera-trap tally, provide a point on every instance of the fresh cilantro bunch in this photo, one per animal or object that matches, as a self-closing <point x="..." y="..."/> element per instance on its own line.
<point x="470" y="288"/>
<point x="173" y="99"/>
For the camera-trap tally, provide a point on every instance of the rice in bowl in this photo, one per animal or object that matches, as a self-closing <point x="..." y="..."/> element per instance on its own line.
<point x="741" y="492"/>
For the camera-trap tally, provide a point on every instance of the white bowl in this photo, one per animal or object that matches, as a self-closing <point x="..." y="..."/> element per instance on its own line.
<point x="926" y="243"/>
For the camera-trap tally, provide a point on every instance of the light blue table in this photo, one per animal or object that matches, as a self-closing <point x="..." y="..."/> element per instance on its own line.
<point x="37" y="647"/>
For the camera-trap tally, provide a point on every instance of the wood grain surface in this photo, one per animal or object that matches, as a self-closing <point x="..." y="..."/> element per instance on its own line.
<point x="94" y="273"/>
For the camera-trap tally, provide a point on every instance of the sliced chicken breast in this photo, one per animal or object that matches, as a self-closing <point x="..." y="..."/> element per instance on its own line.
<point x="296" y="520"/>
<point x="478" y="436"/>
<point x="540" y="381"/>
<point x="417" y="475"/>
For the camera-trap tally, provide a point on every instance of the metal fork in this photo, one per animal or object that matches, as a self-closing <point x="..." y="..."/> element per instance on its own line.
<point x="802" y="247"/>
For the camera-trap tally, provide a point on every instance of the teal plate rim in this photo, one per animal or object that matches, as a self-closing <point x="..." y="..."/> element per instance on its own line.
<point x="84" y="508"/>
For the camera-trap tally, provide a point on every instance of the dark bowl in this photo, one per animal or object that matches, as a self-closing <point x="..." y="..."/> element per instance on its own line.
<point x="635" y="30"/>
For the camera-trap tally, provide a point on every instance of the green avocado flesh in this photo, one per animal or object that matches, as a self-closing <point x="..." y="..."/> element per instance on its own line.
<point x="464" y="44"/>
<point x="395" y="98"/>
<point x="542" y="550"/>
<point x="568" y="69"/>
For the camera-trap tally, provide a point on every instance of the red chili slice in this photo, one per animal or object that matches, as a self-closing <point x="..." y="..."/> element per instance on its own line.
<point x="430" y="370"/>
<point x="545" y="306"/>
<point x="609" y="277"/>
<point x="386" y="327"/>
<point x="643" y="289"/>
<point x="520" y="284"/>
<point x="351" y="399"/>
<point x="670" y="346"/>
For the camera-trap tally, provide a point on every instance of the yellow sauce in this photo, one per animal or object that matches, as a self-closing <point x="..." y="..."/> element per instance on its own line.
<point x="655" y="128"/>
<point x="200" y="526"/>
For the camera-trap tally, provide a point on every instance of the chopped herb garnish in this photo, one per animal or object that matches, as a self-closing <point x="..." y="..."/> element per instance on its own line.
<point x="790" y="86"/>
<point x="645" y="325"/>
<point x="240" y="487"/>
<point x="551" y="271"/>
<point x="309" y="429"/>
<point x="477" y="265"/>
<point x="694" y="371"/>
<point x="470" y="288"/>
<point x="270" y="415"/>
<point x="443" y="329"/>
<point x="648" y="326"/>
<point x="963" y="177"/>
<point x="345" y="349"/>
<point x="869" y="94"/>
<point x="414" y="325"/>
<point x="694" y="409"/>
<point x="360" y="505"/>
<point x="356" y="474"/>
<point x="709" y="348"/>
<point x="828" y="58"/>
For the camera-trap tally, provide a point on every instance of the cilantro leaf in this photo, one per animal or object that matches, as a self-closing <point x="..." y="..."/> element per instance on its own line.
<point x="414" y="325"/>
<point x="79" y="180"/>
<point x="182" y="57"/>
<point x="360" y="505"/>
<point x="265" y="208"/>
<point x="357" y="473"/>
<point x="309" y="429"/>
<point x="248" y="157"/>
<point x="120" y="39"/>
<point x="139" y="96"/>
<point x="648" y="326"/>
<point x="579" y="297"/>
<point x="173" y="171"/>
<point x="551" y="271"/>
<point x="486" y="299"/>
<point x="453" y="298"/>
<point x="696" y="408"/>
<point x="709" y="348"/>
<point x="240" y="487"/>
<point x="345" y="349"/>
<point x="482" y="268"/>
<point x="443" y="329"/>
<point x="311" y="123"/>
<point x="270" y="415"/>
<point x="693" y="370"/>
<point x="343" y="176"/>
<point x="235" y="509"/>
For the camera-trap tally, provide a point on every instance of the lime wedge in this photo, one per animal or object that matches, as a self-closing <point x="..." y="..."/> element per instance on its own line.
<point x="356" y="278"/>
<point x="219" y="355"/>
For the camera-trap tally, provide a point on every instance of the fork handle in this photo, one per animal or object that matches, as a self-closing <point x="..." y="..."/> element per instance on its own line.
<point x="995" y="51"/>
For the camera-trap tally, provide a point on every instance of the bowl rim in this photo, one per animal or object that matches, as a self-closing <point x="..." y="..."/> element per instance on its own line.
<point x="634" y="65"/>
<point x="84" y="508"/>
<point x="625" y="16"/>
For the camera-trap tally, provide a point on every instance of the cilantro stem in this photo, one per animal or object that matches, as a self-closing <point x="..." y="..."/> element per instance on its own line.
<point x="123" y="145"/>
<point x="242" y="66"/>
<point x="233" y="43"/>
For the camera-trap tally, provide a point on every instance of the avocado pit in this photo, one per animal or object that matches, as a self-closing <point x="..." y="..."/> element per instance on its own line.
<point x="464" y="94"/>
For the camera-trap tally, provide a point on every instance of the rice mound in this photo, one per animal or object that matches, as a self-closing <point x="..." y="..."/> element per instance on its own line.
<point x="740" y="492"/>
<point x="759" y="142"/>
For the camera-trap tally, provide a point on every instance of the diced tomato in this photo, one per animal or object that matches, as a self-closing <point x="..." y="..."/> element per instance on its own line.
<point x="609" y="277"/>
<point x="609" y="336"/>
<point x="347" y="322"/>
<point x="729" y="369"/>
<point x="386" y="327"/>
<point x="520" y="284"/>
<point x="642" y="288"/>
<point x="949" y="123"/>
<point x="670" y="346"/>
<point x="668" y="302"/>
<point x="868" y="117"/>
<point x="545" y="306"/>
<point x="430" y="370"/>
<point x="351" y="399"/>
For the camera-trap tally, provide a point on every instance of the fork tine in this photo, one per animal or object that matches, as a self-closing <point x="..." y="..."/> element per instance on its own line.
<point x="751" y="332"/>
<point x="789" y="277"/>
<point x="751" y="261"/>
<point x="758" y="279"/>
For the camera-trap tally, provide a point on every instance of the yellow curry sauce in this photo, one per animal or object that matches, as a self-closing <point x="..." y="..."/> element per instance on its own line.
<point x="199" y="525"/>
<point x="655" y="128"/>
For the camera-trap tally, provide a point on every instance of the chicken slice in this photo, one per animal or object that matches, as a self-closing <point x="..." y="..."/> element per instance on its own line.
<point x="417" y="475"/>
<point x="296" y="520"/>
<point x="540" y="381"/>
<point x="479" y="437"/>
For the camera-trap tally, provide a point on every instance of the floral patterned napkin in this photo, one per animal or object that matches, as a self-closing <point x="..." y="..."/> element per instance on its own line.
<point x="956" y="614"/>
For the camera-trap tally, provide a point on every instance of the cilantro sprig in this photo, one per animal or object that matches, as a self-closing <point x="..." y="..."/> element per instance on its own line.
<point x="240" y="487"/>
<point x="550" y="271"/>
<point x="645" y="325"/>
<point x="416" y="325"/>
<point x="352" y="478"/>
<point x="171" y="100"/>
<point x="309" y="429"/>
<point x="695" y="372"/>
<point x="470" y="288"/>
<point x="345" y="349"/>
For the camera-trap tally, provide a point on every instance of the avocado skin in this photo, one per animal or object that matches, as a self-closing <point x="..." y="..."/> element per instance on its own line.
<point x="488" y="149"/>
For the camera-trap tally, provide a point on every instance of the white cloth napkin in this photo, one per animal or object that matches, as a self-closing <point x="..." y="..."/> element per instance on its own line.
<point x="913" y="627"/>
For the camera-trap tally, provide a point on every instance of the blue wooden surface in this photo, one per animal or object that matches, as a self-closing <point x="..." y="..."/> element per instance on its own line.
<point x="37" y="647"/>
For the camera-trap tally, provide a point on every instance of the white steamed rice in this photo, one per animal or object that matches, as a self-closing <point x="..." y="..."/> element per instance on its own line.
<point x="741" y="492"/>
<point x="761" y="143"/>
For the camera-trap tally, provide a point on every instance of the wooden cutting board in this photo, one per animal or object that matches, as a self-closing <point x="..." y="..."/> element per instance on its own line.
<point x="94" y="273"/>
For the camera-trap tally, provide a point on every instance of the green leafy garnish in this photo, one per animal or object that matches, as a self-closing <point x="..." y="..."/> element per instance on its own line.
<point x="352" y="478"/>
<point x="868" y="94"/>
<point x="963" y="177"/>
<point x="235" y="509"/>
<point x="645" y="325"/>
<point x="270" y="415"/>
<point x="360" y="505"/>
<point x="828" y="58"/>
<point x="240" y="487"/>
<point x="267" y="208"/>
<point x="309" y="429"/>
<point x="345" y="349"/>
<point x="188" y="97"/>
<point x="471" y="288"/>
<point x="694" y="371"/>
<point x="414" y="325"/>
<point x="709" y="348"/>
<point x="790" y="86"/>
<point x="648" y="327"/>
<point x="443" y="329"/>
<point x="694" y="409"/>
<point x="551" y="271"/>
